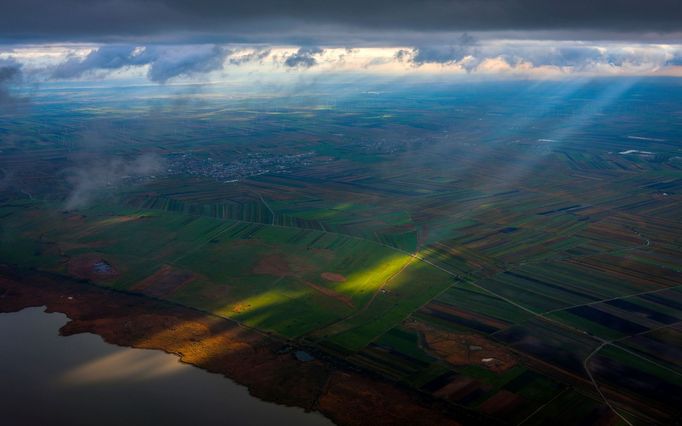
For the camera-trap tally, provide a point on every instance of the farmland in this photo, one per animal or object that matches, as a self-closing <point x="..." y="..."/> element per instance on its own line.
<point x="519" y="259"/>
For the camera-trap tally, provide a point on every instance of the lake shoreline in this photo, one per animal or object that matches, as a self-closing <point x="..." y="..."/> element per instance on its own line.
<point x="265" y="364"/>
<point x="82" y="379"/>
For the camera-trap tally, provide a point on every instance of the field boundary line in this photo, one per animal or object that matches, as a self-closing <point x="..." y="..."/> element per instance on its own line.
<point x="251" y="222"/>
<point x="542" y="407"/>
<point x="596" y="302"/>
<point x="267" y="206"/>
<point x="596" y="385"/>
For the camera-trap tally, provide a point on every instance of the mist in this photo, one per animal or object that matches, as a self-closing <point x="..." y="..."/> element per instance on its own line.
<point x="102" y="177"/>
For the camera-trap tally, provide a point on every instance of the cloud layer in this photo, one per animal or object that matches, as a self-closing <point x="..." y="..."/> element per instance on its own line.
<point x="168" y="40"/>
<point x="464" y="55"/>
<point x="325" y="21"/>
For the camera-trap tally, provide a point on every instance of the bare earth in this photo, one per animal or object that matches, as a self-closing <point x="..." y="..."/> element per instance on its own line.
<point x="465" y="348"/>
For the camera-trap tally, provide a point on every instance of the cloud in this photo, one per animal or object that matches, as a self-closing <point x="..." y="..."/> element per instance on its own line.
<point x="6" y="179"/>
<point x="564" y="56"/>
<point x="303" y="57"/>
<point x="465" y="46"/>
<point x="186" y="61"/>
<point x="101" y="176"/>
<point x="244" y="56"/>
<point x="165" y="62"/>
<point x="462" y="54"/>
<point x="326" y="22"/>
<point x="10" y="72"/>
<point x="103" y="58"/>
<point x="676" y="60"/>
<point x="568" y="57"/>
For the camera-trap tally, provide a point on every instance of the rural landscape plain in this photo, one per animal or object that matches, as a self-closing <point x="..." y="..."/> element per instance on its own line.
<point x="348" y="229"/>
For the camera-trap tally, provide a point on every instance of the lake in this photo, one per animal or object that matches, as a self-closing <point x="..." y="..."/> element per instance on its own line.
<point x="82" y="380"/>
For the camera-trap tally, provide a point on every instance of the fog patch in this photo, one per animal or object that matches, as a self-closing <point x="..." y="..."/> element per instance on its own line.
<point x="10" y="73"/>
<point x="102" y="177"/>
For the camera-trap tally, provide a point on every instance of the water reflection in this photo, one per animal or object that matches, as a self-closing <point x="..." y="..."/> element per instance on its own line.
<point x="82" y="380"/>
<point x="124" y="366"/>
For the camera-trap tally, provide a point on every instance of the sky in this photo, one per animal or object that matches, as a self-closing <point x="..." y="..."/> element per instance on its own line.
<point x="171" y="41"/>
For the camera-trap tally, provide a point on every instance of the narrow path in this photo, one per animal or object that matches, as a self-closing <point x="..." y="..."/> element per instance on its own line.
<point x="369" y="302"/>
<point x="596" y="302"/>
<point x="478" y="286"/>
<point x="383" y="286"/>
<point x="645" y="243"/>
<point x="23" y="191"/>
<point x="201" y="245"/>
<point x="613" y="343"/>
<point x="596" y="385"/>
<point x="267" y="206"/>
<point x="542" y="407"/>
<point x="253" y="222"/>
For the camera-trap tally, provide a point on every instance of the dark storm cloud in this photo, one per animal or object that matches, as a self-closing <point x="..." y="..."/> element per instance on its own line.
<point x="303" y="58"/>
<point x="278" y="20"/>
